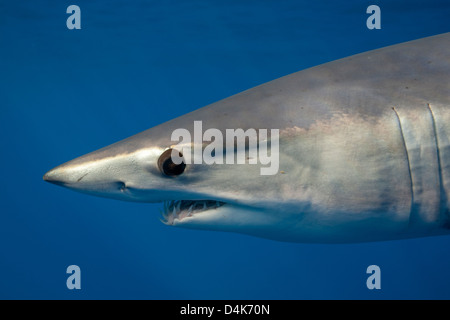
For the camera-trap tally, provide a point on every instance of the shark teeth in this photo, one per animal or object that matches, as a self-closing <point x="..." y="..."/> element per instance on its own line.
<point x="180" y="209"/>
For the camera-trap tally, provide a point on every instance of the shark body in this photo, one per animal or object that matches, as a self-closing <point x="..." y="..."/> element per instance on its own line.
<point x="364" y="154"/>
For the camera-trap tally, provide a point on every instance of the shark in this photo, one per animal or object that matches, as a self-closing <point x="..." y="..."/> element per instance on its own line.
<point x="363" y="154"/>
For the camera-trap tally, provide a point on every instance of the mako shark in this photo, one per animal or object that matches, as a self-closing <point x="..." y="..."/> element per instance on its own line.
<point x="364" y="154"/>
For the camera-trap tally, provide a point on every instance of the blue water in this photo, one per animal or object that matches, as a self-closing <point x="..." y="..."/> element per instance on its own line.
<point x="133" y="65"/>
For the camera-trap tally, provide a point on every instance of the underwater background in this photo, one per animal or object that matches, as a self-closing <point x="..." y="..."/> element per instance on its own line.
<point x="134" y="65"/>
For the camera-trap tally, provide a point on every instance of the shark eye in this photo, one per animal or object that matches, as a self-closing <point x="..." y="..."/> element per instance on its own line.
<point x="167" y="166"/>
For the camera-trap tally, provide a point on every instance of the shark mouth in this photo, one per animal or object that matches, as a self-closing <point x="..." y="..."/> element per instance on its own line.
<point x="180" y="209"/>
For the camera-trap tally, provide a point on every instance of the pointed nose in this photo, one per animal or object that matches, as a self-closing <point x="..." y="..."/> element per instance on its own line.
<point x="67" y="174"/>
<point x="60" y="176"/>
<point x="101" y="176"/>
<point x="54" y="176"/>
<point x="49" y="176"/>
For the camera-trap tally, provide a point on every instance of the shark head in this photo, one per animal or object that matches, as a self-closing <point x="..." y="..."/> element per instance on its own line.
<point x="194" y="194"/>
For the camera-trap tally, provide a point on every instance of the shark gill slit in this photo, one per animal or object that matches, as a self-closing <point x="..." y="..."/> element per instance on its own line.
<point x="442" y="193"/>
<point x="409" y="164"/>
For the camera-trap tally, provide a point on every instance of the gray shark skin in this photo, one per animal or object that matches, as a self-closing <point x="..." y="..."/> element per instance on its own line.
<point x="364" y="154"/>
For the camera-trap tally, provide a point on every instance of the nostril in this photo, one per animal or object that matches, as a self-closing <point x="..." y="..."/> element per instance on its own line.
<point x="79" y="179"/>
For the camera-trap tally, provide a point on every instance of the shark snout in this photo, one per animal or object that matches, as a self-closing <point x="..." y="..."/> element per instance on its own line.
<point x="82" y="179"/>
<point x="88" y="172"/>
<point x="112" y="175"/>
<point x="54" y="176"/>
<point x="65" y="175"/>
